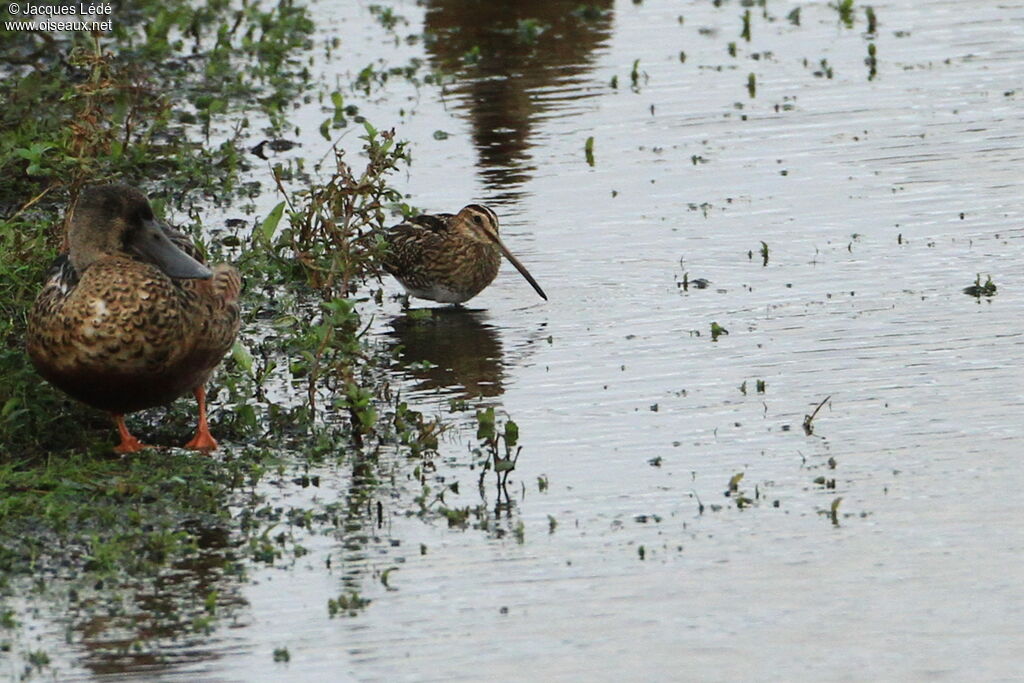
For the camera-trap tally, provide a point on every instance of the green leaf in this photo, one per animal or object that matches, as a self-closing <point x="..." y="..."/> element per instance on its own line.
<point x="35" y="151"/>
<point x="241" y="355"/>
<point x="247" y="416"/>
<point x="269" y="226"/>
<point x="511" y="433"/>
<point x="485" y="424"/>
<point x="211" y="602"/>
<point x="34" y="155"/>
<point x="9" y="407"/>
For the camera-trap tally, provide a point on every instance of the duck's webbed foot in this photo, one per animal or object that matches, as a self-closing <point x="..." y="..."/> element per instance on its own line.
<point x="129" y="444"/>
<point x="203" y="440"/>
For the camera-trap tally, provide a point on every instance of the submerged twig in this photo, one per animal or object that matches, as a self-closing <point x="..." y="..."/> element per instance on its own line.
<point x="809" y="419"/>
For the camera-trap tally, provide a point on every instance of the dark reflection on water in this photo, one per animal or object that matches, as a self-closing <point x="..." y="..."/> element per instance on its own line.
<point x="132" y="636"/>
<point x="514" y="61"/>
<point x="454" y="350"/>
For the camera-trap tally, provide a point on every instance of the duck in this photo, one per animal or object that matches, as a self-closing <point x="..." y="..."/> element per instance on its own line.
<point x="131" y="317"/>
<point x="449" y="258"/>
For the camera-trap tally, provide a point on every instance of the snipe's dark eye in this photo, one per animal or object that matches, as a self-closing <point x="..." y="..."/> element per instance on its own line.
<point x="479" y="221"/>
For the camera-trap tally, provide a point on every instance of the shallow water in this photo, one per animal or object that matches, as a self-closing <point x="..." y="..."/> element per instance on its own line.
<point x="879" y="201"/>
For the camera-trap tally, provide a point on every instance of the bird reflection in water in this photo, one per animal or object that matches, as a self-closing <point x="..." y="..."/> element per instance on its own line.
<point x="453" y="350"/>
<point x="515" y="62"/>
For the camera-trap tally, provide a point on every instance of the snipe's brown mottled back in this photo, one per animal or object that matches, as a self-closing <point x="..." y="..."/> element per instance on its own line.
<point x="130" y="317"/>
<point x="449" y="258"/>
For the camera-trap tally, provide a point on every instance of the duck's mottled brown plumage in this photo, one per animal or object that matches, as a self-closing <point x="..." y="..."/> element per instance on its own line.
<point x="449" y="258"/>
<point x="120" y="334"/>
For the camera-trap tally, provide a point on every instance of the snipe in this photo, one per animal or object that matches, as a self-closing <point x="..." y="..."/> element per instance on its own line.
<point x="130" y="317"/>
<point x="449" y="258"/>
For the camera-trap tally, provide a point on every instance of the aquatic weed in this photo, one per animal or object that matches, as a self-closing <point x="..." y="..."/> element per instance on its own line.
<point x="529" y="30"/>
<point x="979" y="289"/>
<point x="634" y="76"/>
<point x="872" y="61"/>
<point x="845" y="10"/>
<point x="808" y="423"/>
<point x="501" y="460"/>
<point x="869" y="13"/>
<point x="589" y="12"/>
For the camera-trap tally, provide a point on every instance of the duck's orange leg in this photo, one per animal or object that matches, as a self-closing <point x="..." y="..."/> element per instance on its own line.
<point x="129" y="444"/>
<point x="203" y="440"/>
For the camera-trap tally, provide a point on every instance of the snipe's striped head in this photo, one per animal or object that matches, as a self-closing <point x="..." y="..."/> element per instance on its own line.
<point x="480" y="223"/>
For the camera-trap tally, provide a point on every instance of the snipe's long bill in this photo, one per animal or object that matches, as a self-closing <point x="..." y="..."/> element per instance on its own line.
<point x="450" y="258"/>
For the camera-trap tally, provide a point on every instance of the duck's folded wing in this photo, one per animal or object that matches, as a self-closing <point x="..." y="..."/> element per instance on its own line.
<point x="213" y="316"/>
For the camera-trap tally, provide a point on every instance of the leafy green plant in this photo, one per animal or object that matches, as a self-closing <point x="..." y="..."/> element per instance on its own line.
<point x="497" y="446"/>
<point x="334" y="227"/>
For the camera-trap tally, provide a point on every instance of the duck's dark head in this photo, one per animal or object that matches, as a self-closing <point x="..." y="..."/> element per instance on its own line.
<point x="117" y="219"/>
